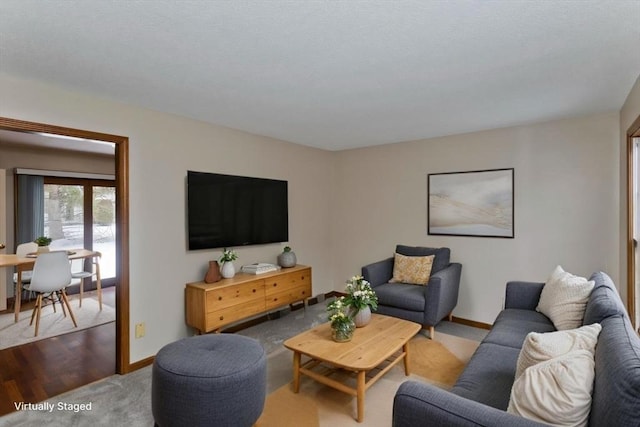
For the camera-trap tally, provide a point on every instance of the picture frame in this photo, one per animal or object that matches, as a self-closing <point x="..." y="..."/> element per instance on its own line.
<point x="476" y="203"/>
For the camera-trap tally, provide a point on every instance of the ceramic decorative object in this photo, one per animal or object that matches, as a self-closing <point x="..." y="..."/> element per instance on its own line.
<point x="42" y="249"/>
<point x="287" y="258"/>
<point x="343" y="331"/>
<point x="362" y="317"/>
<point x="213" y="274"/>
<point x="228" y="270"/>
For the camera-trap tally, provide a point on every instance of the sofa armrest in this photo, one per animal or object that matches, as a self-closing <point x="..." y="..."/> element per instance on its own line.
<point x="442" y="293"/>
<point x="523" y="295"/>
<point x="419" y="404"/>
<point x="379" y="272"/>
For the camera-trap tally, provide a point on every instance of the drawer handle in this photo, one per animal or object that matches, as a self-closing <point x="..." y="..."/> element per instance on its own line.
<point x="275" y="284"/>
<point x="254" y="291"/>
<point x="221" y="317"/>
<point x="219" y="298"/>
<point x="275" y="299"/>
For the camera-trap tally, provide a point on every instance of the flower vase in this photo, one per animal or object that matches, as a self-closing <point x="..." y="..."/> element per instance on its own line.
<point x="343" y="332"/>
<point x="42" y="249"/>
<point x="362" y="317"/>
<point x="228" y="270"/>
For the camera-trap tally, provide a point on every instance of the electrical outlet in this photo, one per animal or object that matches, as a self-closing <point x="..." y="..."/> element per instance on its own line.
<point x="139" y="330"/>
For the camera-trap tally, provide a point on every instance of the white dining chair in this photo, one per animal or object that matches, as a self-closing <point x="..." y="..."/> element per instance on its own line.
<point x="82" y="275"/>
<point x="50" y="278"/>
<point x="22" y="251"/>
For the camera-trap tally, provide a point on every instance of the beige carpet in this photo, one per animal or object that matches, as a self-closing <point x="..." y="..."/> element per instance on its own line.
<point x="53" y="324"/>
<point x="317" y="405"/>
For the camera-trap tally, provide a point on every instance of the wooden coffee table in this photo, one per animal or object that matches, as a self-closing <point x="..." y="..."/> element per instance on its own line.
<point x="384" y="339"/>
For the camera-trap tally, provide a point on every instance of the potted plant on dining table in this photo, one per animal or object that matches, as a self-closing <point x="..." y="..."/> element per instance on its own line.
<point x="43" y="243"/>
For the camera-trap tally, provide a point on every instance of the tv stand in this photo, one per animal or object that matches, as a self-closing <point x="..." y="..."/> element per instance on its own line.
<point x="211" y="306"/>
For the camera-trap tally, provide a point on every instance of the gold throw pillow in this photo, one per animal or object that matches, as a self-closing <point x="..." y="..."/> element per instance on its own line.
<point x="415" y="270"/>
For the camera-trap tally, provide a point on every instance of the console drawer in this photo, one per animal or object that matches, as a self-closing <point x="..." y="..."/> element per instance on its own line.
<point x="218" y="299"/>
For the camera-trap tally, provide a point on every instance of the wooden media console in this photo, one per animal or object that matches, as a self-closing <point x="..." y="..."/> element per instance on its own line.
<point x="210" y="306"/>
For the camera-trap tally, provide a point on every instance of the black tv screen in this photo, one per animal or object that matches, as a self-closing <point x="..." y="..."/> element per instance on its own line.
<point x="227" y="210"/>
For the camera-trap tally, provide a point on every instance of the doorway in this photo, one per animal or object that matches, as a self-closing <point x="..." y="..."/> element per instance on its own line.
<point x="633" y="222"/>
<point x="121" y="219"/>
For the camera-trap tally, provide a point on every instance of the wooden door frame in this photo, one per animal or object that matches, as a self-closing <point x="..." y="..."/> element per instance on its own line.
<point x="123" y="365"/>
<point x="632" y="132"/>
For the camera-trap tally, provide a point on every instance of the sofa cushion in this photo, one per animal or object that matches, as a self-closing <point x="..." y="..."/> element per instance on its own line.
<point x="440" y="261"/>
<point x="512" y="326"/>
<point x="604" y="300"/>
<point x="488" y="376"/>
<point x="564" y="299"/>
<point x="556" y="391"/>
<point x="538" y="347"/>
<point x="409" y="297"/>
<point x="616" y="389"/>
<point x="414" y="270"/>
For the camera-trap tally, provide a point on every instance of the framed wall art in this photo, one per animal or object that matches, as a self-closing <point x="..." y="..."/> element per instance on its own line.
<point x="473" y="203"/>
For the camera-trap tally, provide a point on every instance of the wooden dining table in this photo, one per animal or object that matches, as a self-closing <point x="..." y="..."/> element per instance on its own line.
<point x="26" y="263"/>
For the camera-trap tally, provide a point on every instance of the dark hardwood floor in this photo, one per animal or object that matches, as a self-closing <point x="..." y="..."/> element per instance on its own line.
<point x="40" y="370"/>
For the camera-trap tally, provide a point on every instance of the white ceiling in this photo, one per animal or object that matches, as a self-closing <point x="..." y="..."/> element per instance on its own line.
<point x="335" y="74"/>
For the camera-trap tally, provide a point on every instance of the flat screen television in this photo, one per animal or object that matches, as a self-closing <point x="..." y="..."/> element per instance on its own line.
<point x="228" y="210"/>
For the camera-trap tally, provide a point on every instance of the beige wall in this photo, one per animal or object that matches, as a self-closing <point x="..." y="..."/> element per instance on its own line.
<point x="162" y="148"/>
<point x="566" y="204"/>
<point x="628" y="114"/>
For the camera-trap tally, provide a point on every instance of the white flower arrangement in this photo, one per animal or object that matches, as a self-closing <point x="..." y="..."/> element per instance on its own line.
<point x="338" y="313"/>
<point x="228" y="255"/>
<point x="360" y="294"/>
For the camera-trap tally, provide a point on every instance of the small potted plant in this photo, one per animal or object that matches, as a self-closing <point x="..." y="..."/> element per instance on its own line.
<point x="342" y="324"/>
<point x="287" y="258"/>
<point x="362" y="299"/>
<point x="43" y="243"/>
<point x="226" y="259"/>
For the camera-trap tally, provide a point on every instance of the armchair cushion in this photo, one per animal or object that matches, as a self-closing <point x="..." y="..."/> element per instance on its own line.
<point x="440" y="261"/>
<point x="402" y="295"/>
<point x="414" y="270"/>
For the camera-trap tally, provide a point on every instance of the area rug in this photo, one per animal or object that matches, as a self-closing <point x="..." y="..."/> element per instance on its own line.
<point x="317" y="405"/>
<point x="53" y="323"/>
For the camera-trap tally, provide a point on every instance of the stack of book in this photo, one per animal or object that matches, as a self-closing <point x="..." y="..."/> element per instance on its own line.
<point x="259" y="268"/>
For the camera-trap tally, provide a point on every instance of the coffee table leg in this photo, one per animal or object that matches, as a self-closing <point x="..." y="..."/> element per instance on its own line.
<point x="361" y="378"/>
<point x="296" y="371"/>
<point x="405" y="350"/>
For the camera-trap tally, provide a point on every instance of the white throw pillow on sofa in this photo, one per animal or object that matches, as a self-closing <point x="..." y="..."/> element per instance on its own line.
<point x="556" y="392"/>
<point x="540" y="347"/>
<point x="564" y="299"/>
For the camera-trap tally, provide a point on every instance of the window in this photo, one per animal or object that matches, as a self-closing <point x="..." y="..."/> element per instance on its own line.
<point x="80" y="213"/>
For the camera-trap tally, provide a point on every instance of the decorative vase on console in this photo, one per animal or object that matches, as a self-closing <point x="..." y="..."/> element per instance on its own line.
<point x="361" y="298"/>
<point x="287" y="258"/>
<point x="228" y="270"/>
<point x="213" y="274"/>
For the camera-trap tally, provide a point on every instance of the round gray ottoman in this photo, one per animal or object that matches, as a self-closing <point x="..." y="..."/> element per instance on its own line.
<point x="210" y="380"/>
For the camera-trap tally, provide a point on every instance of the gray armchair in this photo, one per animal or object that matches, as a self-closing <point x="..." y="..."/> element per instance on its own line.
<point x="426" y="305"/>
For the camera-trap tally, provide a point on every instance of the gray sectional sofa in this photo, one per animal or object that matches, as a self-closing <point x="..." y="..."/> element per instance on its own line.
<point x="481" y="394"/>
